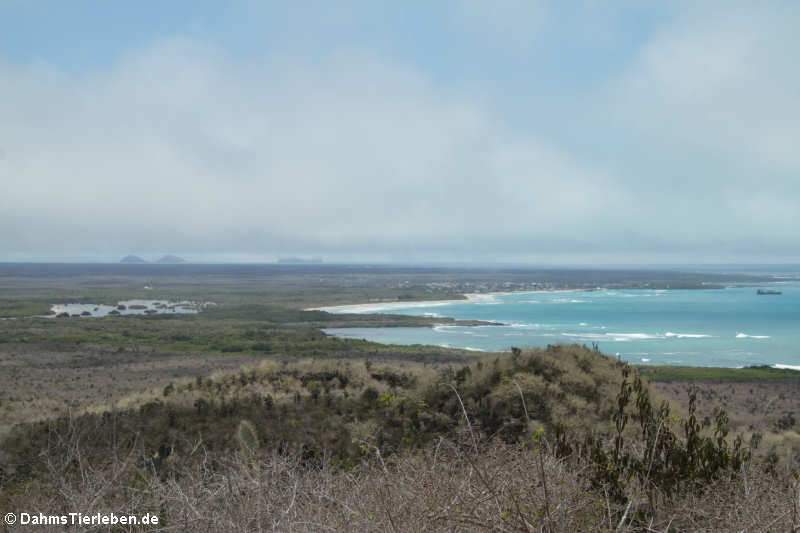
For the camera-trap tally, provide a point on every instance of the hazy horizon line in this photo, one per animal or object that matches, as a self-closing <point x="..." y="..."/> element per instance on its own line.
<point x="465" y="263"/>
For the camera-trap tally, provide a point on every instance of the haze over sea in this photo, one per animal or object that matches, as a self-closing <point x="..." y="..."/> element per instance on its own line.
<point x="729" y="327"/>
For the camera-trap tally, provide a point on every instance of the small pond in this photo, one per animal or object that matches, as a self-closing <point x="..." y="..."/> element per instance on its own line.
<point x="127" y="307"/>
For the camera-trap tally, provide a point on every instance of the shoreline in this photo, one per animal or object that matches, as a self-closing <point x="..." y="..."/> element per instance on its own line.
<point x="468" y="298"/>
<point x="397" y="307"/>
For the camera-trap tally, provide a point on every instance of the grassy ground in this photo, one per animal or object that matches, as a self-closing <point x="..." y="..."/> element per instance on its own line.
<point x="712" y="374"/>
<point x="356" y="446"/>
<point x="50" y="366"/>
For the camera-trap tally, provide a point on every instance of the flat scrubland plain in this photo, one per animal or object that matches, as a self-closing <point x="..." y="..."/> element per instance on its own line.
<point x="246" y="417"/>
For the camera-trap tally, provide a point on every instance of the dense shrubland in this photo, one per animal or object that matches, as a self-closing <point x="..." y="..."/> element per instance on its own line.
<point x="562" y="439"/>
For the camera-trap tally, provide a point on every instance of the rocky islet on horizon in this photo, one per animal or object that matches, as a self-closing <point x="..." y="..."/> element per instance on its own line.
<point x="168" y="259"/>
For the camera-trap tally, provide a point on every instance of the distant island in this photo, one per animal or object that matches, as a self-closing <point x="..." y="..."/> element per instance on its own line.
<point x="299" y="261"/>
<point x="132" y="259"/>
<point x="170" y="259"/>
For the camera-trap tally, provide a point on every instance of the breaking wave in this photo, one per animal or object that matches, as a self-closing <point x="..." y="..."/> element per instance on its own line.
<point x="746" y="336"/>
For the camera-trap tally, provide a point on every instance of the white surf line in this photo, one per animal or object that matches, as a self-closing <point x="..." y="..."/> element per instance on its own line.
<point x="746" y="336"/>
<point x="468" y="297"/>
<point x="379" y="306"/>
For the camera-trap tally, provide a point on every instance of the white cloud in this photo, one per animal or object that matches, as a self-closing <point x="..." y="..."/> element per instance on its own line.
<point x="179" y="147"/>
<point x="724" y="81"/>
<point x="514" y="23"/>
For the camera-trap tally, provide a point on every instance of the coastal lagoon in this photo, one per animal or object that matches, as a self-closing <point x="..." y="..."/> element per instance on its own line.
<point x="125" y="307"/>
<point x="729" y="327"/>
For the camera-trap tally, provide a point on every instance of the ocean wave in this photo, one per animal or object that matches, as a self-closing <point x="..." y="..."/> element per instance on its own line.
<point x="462" y="331"/>
<point x="686" y="335"/>
<point x="526" y="325"/>
<point x="483" y="298"/>
<point x="590" y="336"/>
<point x="645" y="360"/>
<point x="380" y="307"/>
<point x="786" y="367"/>
<point x="618" y="337"/>
<point x="583" y="324"/>
<point x="637" y="336"/>
<point x="746" y="336"/>
<point x="471" y="349"/>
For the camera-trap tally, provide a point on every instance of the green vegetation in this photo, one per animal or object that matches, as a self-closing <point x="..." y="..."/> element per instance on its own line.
<point x="31" y="289"/>
<point x="689" y="373"/>
<point x="10" y="307"/>
<point x="319" y="405"/>
<point x="246" y="416"/>
<point x="545" y="412"/>
<point x="193" y="334"/>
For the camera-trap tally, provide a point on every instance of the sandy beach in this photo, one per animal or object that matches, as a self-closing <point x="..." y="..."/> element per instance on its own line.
<point x="469" y="297"/>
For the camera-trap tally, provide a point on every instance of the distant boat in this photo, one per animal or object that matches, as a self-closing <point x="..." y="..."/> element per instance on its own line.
<point x="768" y="291"/>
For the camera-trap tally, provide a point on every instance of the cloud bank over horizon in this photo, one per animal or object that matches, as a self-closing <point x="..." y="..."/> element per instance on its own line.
<point x="517" y="134"/>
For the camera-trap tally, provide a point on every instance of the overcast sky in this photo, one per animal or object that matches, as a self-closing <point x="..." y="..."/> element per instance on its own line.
<point x="488" y="131"/>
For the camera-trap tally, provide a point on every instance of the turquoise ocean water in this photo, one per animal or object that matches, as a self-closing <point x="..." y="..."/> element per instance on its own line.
<point x="729" y="327"/>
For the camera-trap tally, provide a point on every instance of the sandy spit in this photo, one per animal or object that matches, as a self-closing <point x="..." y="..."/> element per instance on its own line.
<point x="470" y="297"/>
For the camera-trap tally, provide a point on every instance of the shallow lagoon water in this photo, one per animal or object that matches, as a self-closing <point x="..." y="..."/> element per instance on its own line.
<point x="126" y="307"/>
<point x="730" y="327"/>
